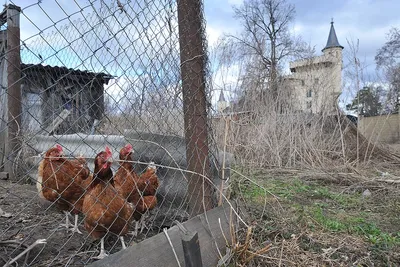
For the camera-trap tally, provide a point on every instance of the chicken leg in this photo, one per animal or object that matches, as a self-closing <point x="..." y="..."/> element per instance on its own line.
<point x="134" y="233"/>
<point x="122" y="242"/>
<point x="103" y="253"/>
<point x="67" y="223"/>
<point x="143" y="221"/>
<point x="71" y="227"/>
<point x="75" y="228"/>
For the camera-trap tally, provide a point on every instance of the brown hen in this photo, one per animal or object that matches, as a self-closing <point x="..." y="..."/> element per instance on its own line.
<point x="140" y="191"/>
<point x="63" y="182"/>
<point x="104" y="208"/>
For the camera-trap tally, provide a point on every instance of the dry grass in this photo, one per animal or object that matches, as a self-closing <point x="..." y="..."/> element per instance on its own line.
<point x="297" y="141"/>
<point x="315" y="191"/>
<point x="310" y="218"/>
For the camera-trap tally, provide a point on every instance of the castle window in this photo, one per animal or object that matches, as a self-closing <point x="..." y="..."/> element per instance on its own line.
<point x="316" y="80"/>
<point x="309" y="93"/>
<point x="309" y="104"/>
<point x="302" y="83"/>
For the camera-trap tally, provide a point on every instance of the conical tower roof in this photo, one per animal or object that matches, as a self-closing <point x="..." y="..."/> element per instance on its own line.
<point x="221" y="97"/>
<point x="332" y="39"/>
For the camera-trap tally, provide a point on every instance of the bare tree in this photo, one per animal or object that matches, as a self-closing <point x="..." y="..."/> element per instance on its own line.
<point x="266" y="37"/>
<point x="353" y="70"/>
<point x="388" y="59"/>
<point x="389" y="54"/>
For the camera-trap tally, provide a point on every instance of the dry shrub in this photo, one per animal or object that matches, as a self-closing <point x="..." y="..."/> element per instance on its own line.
<point x="266" y="137"/>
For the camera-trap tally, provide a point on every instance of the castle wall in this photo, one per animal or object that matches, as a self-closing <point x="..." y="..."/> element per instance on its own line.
<point x="317" y="82"/>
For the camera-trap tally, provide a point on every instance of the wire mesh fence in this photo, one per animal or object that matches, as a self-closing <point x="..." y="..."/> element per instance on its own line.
<point x="107" y="134"/>
<point x="87" y="82"/>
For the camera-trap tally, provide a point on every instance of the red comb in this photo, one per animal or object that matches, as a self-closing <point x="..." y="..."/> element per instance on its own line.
<point x="59" y="148"/>
<point x="108" y="151"/>
<point x="129" y="147"/>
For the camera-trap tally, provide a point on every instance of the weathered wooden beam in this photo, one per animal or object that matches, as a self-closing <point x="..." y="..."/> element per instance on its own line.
<point x="54" y="124"/>
<point x="13" y="57"/>
<point x="157" y="251"/>
<point x="3" y="16"/>
<point x="3" y="100"/>
<point x="193" y="70"/>
<point x="3" y="36"/>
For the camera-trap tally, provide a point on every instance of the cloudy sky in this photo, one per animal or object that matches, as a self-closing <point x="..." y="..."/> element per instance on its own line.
<point x="366" y="20"/>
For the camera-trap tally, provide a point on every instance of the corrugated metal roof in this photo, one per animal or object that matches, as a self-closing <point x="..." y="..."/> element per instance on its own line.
<point x="332" y="39"/>
<point x="56" y="70"/>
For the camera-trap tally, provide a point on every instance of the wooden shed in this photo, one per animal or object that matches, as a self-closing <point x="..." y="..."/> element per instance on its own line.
<point x="49" y="91"/>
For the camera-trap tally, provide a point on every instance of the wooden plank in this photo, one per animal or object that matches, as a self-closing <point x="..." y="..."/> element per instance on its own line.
<point x="191" y="249"/>
<point x="96" y="123"/>
<point x="59" y="119"/>
<point x="156" y="251"/>
<point x="3" y="37"/>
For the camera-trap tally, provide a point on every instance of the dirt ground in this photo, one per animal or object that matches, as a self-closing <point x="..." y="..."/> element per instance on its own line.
<point x="25" y="219"/>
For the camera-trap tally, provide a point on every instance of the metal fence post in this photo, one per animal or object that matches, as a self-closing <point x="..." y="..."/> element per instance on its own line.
<point x="13" y="58"/>
<point x="193" y="67"/>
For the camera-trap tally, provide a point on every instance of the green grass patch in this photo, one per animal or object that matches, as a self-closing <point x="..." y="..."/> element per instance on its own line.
<point x="318" y="207"/>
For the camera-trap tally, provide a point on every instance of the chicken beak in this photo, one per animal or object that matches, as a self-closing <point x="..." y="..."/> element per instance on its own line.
<point x="110" y="160"/>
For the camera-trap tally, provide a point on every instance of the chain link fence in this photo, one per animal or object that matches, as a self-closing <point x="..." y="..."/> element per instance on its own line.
<point x="86" y="75"/>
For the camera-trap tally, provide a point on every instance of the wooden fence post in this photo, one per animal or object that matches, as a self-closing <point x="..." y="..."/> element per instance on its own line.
<point x="3" y="99"/>
<point x="13" y="58"/>
<point x="193" y="68"/>
<point x="191" y="249"/>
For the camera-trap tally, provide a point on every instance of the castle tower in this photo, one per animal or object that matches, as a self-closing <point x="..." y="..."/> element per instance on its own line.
<point x="222" y="104"/>
<point x="317" y="81"/>
<point x="333" y="50"/>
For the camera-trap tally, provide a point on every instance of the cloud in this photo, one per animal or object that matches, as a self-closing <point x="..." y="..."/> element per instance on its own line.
<point x="365" y="20"/>
<point x="213" y="34"/>
<point x="98" y="37"/>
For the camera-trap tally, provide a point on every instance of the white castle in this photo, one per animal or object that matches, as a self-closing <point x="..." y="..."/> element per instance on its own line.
<point x="317" y="82"/>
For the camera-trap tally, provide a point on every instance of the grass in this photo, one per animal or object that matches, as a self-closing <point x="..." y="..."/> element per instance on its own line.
<point x="316" y="208"/>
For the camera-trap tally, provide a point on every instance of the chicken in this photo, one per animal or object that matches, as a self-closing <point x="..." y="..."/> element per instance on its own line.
<point x="140" y="191"/>
<point x="63" y="181"/>
<point x="148" y="201"/>
<point x="105" y="210"/>
<point x="126" y="181"/>
<point x="151" y="180"/>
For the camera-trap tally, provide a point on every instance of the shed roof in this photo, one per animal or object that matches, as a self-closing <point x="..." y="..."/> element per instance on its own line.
<point x="56" y="70"/>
